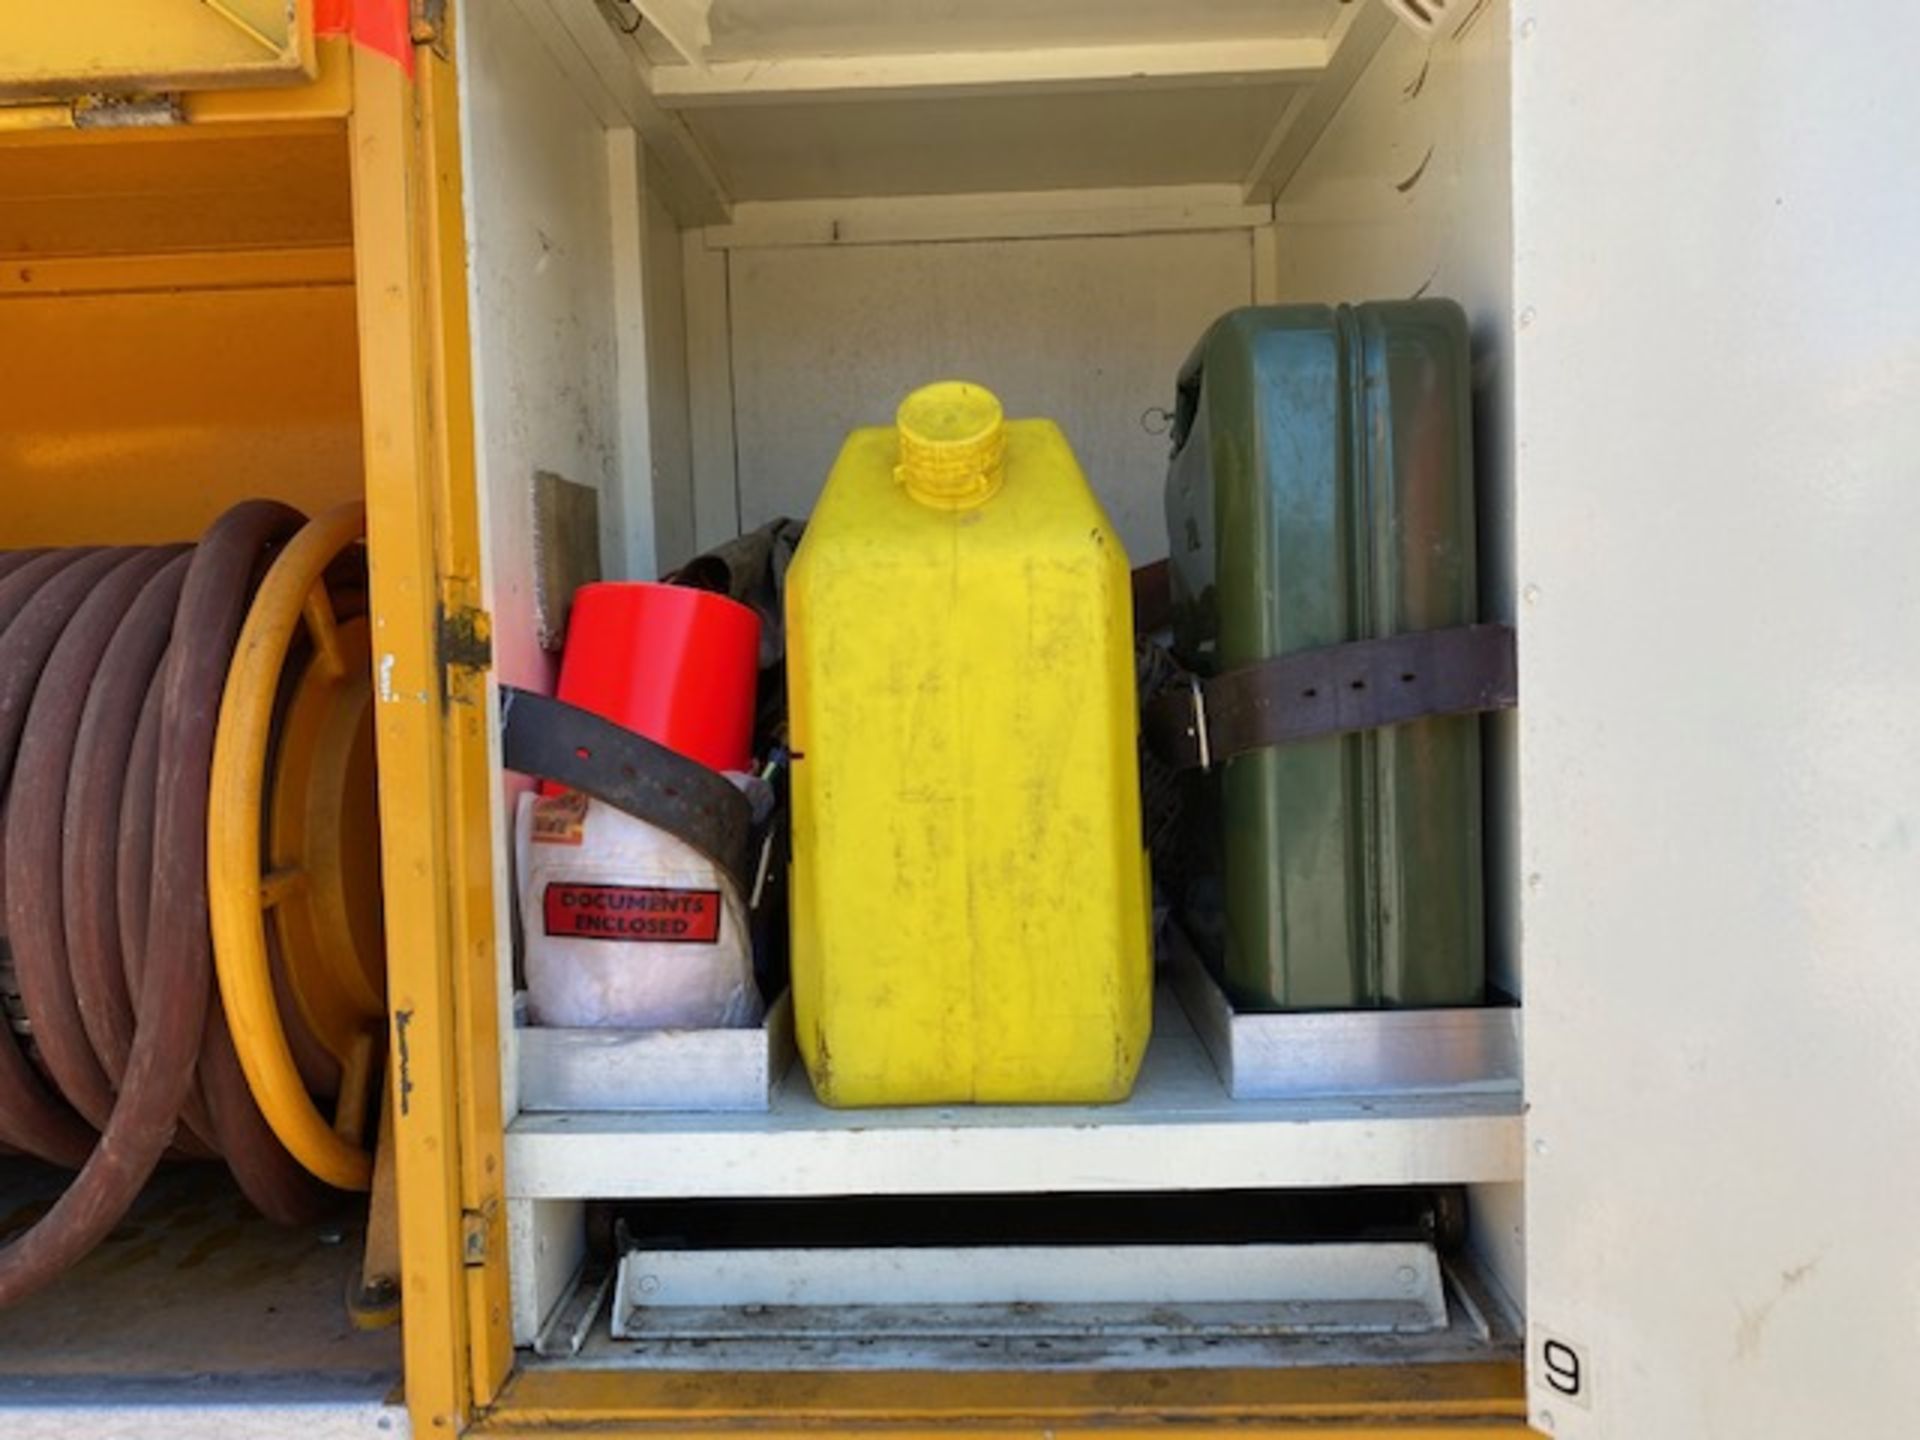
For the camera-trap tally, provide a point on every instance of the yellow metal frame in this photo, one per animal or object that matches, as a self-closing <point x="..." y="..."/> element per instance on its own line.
<point x="433" y="732"/>
<point x="1401" y="1401"/>
<point x="239" y="895"/>
<point x="133" y="257"/>
<point x="326" y="93"/>
<point x="437" y="799"/>
<point x="91" y="46"/>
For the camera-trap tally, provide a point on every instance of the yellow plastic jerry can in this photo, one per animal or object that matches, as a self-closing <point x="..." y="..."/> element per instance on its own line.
<point x="970" y="903"/>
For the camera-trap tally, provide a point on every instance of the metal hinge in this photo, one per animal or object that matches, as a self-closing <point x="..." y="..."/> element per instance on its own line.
<point x="94" y="112"/>
<point x="465" y="646"/>
<point x="475" y="1225"/>
<point x="466" y="638"/>
<point x="466" y="651"/>
<point x="427" y="21"/>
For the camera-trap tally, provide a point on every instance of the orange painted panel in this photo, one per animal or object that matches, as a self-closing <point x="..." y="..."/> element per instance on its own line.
<point x="138" y="415"/>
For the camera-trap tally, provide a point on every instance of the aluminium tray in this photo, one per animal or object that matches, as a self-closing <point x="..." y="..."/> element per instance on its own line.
<point x="1304" y="1055"/>
<point x="658" y="1070"/>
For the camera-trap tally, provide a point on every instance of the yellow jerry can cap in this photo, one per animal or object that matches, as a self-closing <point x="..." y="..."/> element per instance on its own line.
<point x="953" y="445"/>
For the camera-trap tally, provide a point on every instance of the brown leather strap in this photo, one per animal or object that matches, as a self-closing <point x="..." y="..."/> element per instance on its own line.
<point x="552" y="740"/>
<point x="1335" y="690"/>
<point x="1152" y="597"/>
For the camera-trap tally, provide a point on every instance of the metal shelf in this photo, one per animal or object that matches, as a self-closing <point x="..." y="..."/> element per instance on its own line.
<point x="1179" y="1131"/>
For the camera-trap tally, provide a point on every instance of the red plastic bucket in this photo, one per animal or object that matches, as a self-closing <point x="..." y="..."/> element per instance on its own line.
<point x="675" y="664"/>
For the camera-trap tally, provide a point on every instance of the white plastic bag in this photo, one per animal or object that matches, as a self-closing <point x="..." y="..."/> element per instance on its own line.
<point x="626" y="926"/>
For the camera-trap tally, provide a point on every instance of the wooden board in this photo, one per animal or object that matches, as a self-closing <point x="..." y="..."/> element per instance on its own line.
<point x="566" y="551"/>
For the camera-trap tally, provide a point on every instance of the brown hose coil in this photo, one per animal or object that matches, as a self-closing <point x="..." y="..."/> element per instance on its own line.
<point x="112" y="664"/>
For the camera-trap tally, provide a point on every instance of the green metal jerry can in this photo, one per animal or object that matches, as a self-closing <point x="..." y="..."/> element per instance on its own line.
<point x="1321" y="491"/>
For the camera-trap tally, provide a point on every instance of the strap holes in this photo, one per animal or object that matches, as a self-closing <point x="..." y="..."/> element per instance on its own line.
<point x="1407" y="679"/>
<point x="1309" y="694"/>
<point x="583" y="752"/>
<point x="1359" y="685"/>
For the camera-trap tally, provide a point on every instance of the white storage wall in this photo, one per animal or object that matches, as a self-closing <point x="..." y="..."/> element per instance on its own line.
<point x="540" y="276"/>
<point x="1086" y="330"/>
<point x="1717" y="419"/>
<point x="832" y="310"/>
<point x="577" y="313"/>
<point x="579" y="342"/>
<point x="703" y="379"/>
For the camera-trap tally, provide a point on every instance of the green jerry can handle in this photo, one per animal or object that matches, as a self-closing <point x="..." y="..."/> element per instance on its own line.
<point x="1333" y="690"/>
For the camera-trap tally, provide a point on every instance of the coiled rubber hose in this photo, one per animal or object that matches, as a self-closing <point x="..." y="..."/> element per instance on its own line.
<point x="112" y="665"/>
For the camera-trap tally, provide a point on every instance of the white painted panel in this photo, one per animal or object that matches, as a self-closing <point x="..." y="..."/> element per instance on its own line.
<point x="1497" y="1238"/>
<point x="996" y="1275"/>
<point x="632" y="537"/>
<point x="992" y="74"/>
<point x="1089" y="332"/>
<point x="1717" y="410"/>
<point x="667" y="397"/>
<point x="270" y="1410"/>
<point x="716" y="497"/>
<point x="606" y="68"/>
<point x="1177" y="1131"/>
<point x="1131" y="136"/>
<point x="546" y="1241"/>
<point x="999" y="215"/>
<point x="540" y="276"/>
<point x="543" y="308"/>
<point x="655" y="509"/>
<point x="1227" y="1145"/>
<point x="749" y="29"/>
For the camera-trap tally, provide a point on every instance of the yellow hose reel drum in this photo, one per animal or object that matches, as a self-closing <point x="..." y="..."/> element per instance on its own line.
<point x="293" y="856"/>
